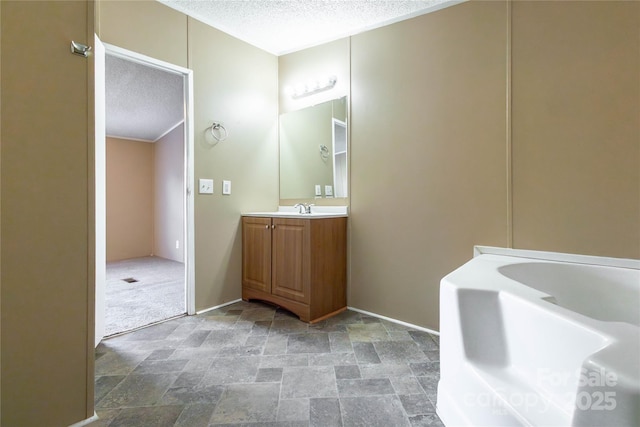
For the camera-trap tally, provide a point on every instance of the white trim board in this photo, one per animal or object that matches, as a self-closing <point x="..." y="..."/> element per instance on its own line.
<point x="399" y="322"/>
<point x="218" y="306"/>
<point x="128" y="138"/>
<point x="118" y="334"/>
<point x="357" y="310"/>
<point x="558" y="257"/>
<point x="86" y="422"/>
<point x="147" y="140"/>
<point x="169" y="130"/>
<point x="140" y="58"/>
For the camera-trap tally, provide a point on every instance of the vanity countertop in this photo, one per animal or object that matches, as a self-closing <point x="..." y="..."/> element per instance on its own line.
<point x="317" y="212"/>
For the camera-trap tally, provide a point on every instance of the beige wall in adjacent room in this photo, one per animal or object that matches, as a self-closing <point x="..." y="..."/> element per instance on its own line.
<point x="576" y="127"/>
<point x="130" y="199"/>
<point x="47" y="287"/>
<point x="242" y="96"/>
<point x="428" y="165"/>
<point x="145" y="197"/>
<point x="169" y="194"/>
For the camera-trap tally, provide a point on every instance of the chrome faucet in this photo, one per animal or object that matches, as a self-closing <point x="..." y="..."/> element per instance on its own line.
<point x="303" y="208"/>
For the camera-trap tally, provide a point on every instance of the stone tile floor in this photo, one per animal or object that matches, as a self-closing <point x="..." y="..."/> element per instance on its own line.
<point x="251" y="364"/>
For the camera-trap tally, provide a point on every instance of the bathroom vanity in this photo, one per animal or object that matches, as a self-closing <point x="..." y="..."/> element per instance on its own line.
<point x="296" y="261"/>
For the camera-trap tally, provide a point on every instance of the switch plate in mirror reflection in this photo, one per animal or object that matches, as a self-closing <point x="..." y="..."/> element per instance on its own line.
<point x="303" y="169"/>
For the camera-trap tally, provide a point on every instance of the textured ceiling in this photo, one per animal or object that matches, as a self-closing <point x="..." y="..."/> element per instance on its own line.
<point x="142" y="102"/>
<point x="281" y="27"/>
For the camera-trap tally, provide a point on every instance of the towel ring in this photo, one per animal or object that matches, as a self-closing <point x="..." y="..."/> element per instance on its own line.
<point x="324" y="152"/>
<point x="222" y="132"/>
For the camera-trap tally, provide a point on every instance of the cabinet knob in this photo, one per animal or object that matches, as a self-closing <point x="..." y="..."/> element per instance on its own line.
<point x="273" y="226"/>
<point x="266" y="226"/>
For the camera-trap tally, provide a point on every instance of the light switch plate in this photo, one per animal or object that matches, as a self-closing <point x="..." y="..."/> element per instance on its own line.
<point x="328" y="191"/>
<point x="226" y="187"/>
<point x="318" y="190"/>
<point x="205" y="186"/>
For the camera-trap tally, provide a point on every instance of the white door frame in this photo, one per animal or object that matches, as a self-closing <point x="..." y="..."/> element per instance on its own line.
<point x="188" y="157"/>
<point x="99" y="214"/>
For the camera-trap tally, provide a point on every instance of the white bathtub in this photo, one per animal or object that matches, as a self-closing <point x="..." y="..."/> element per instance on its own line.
<point x="540" y="339"/>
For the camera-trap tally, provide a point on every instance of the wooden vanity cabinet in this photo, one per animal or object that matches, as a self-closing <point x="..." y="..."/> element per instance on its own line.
<point x="298" y="264"/>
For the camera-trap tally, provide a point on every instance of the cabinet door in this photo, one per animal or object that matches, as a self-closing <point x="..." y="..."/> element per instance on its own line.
<point x="290" y="258"/>
<point x="256" y="253"/>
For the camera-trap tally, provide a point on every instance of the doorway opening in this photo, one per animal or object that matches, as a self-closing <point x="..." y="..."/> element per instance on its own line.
<point x="148" y="169"/>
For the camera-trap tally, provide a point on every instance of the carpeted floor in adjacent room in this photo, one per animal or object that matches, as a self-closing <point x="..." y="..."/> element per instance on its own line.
<point x="158" y="292"/>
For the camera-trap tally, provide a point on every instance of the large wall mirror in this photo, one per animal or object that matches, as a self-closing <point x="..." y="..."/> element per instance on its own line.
<point x="313" y="152"/>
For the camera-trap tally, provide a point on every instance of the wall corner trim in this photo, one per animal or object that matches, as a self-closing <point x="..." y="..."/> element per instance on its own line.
<point x="399" y="322"/>
<point x="218" y="306"/>
<point x="86" y="422"/>
<point x="509" y="131"/>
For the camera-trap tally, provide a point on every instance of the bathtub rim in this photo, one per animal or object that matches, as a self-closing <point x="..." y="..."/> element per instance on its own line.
<point x="619" y="346"/>
<point x="629" y="263"/>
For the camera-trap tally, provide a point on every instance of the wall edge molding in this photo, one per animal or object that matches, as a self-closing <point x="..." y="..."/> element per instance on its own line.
<point x="392" y="320"/>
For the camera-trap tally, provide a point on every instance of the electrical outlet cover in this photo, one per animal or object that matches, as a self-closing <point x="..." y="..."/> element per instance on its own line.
<point x="328" y="191"/>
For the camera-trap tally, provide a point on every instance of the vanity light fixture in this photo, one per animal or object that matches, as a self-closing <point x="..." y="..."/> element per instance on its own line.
<point x="311" y="87"/>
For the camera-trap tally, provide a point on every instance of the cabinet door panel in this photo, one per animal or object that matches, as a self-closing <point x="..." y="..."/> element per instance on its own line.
<point x="256" y="253"/>
<point x="290" y="257"/>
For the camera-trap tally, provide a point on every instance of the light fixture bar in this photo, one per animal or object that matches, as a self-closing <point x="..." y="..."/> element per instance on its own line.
<point x="312" y="87"/>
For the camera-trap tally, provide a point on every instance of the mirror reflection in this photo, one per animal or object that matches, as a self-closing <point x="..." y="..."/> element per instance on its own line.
<point x="313" y="151"/>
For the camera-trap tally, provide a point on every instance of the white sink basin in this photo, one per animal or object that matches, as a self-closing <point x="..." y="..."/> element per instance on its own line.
<point x="316" y="212"/>
<point x="280" y="213"/>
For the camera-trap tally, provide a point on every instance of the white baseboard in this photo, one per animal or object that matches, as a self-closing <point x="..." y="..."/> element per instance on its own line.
<point x="399" y="322"/>
<point x="368" y="313"/>
<point x="219" y="306"/>
<point x="86" y="422"/>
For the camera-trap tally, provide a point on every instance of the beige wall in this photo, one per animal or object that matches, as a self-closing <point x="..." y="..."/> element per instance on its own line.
<point x="576" y="127"/>
<point x="520" y="128"/>
<point x="575" y="143"/>
<point x="0" y="222"/>
<point x="144" y="26"/>
<point x="47" y="288"/>
<point x="236" y="95"/>
<point x="243" y="99"/>
<point x="130" y="199"/>
<point x="169" y="194"/>
<point x="428" y="168"/>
